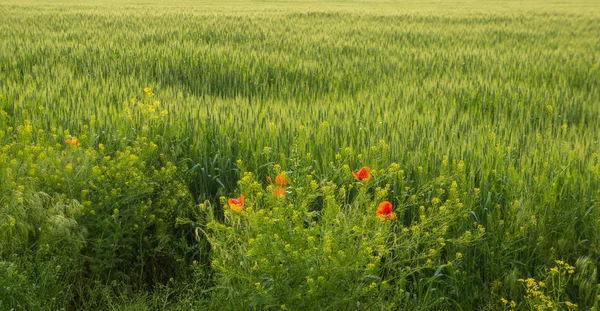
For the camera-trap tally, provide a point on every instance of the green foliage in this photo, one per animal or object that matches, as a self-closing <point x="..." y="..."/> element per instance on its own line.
<point x="80" y="217"/>
<point x="479" y="121"/>
<point x="283" y="251"/>
<point x="316" y="245"/>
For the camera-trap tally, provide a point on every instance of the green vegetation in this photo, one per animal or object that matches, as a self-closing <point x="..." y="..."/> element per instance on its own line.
<point x="125" y="127"/>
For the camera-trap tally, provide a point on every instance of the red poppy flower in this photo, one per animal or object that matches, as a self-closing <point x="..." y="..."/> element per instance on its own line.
<point x="384" y="211"/>
<point x="363" y="173"/>
<point x="72" y="142"/>
<point x="278" y="191"/>
<point x="237" y="204"/>
<point x="280" y="180"/>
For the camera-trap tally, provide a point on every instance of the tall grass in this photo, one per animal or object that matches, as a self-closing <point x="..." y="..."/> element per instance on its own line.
<point x="502" y="99"/>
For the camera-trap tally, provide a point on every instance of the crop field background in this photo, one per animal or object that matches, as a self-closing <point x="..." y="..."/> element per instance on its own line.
<point x="126" y="128"/>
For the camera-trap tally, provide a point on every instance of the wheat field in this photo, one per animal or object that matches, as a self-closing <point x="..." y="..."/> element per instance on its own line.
<point x="192" y="155"/>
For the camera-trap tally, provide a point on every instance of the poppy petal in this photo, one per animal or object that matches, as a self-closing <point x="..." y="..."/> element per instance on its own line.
<point x="236" y="204"/>
<point x="281" y="180"/>
<point x="384" y="211"/>
<point x="278" y="191"/>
